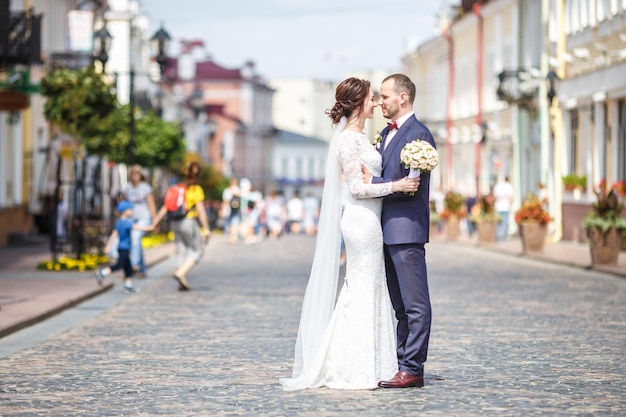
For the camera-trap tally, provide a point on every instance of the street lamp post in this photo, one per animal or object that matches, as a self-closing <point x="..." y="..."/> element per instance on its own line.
<point x="195" y="132"/>
<point x="102" y="39"/>
<point x="552" y="78"/>
<point x="160" y="45"/>
<point x="479" y="145"/>
<point x="160" y="42"/>
<point x="196" y="102"/>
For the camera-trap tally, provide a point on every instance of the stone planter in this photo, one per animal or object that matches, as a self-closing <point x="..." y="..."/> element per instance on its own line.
<point x="533" y="236"/>
<point x="605" y="247"/>
<point x="453" y="228"/>
<point x="486" y="231"/>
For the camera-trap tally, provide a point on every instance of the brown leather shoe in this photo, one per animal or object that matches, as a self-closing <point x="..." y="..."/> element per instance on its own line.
<point x="403" y="380"/>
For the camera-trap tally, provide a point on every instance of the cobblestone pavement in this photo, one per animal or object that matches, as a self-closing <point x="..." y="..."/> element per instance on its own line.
<point x="510" y="337"/>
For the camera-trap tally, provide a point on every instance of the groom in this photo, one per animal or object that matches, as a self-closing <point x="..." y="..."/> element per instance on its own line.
<point x="405" y="222"/>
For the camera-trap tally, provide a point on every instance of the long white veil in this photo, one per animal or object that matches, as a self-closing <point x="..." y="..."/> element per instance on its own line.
<point x="321" y="290"/>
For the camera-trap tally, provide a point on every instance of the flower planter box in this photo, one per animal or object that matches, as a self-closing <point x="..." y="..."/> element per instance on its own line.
<point x="605" y="247"/>
<point x="533" y="236"/>
<point x="453" y="227"/>
<point x="486" y="231"/>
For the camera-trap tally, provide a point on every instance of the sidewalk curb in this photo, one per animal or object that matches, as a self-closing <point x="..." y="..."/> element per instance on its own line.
<point x="161" y="255"/>
<point x="53" y="312"/>
<point x="534" y="257"/>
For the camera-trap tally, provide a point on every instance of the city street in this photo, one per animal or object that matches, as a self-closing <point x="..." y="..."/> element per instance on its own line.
<point x="510" y="337"/>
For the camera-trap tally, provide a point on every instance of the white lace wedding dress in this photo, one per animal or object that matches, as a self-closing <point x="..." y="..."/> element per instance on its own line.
<point x="359" y="345"/>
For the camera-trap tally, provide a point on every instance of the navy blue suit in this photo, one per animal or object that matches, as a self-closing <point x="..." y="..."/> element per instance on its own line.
<point x="405" y="223"/>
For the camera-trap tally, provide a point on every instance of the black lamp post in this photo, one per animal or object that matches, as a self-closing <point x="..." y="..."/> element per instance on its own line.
<point x="157" y="102"/>
<point x="483" y="133"/>
<point x="552" y="77"/>
<point x="160" y="45"/>
<point x="479" y="145"/>
<point x="196" y="102"/>
<point x="102" y="40"/>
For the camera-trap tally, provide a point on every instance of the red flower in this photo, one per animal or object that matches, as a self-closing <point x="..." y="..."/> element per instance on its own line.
<point x="532" y="210"/>
<point x="618" y="187"/>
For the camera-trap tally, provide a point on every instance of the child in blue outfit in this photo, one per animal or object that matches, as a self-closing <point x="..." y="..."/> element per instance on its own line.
<point x="124" y="225"/>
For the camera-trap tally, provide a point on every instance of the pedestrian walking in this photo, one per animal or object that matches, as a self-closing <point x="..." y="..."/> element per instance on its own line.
<point x="231" y="210"/>
<point x="140" y="195"/>
<point x="190" y="237"/>
<point x="311" y="213"/>
<point x="275" y="214"/>
<point x="122" y="235"/>
<point x="295" y="213"/>
<point x="503" y="194"/>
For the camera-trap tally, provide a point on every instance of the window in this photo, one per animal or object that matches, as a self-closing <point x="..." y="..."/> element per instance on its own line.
<point x="284" y="168"/>
<point x="603" y="9"/>
<point x="311" y="167"/>
<point x="299" y="168"/>
<point x="584" y="14"/>
<point x="573" y="141"/>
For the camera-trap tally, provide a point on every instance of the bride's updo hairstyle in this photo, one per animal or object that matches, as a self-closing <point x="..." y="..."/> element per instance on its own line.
<point x="350" y="96"/>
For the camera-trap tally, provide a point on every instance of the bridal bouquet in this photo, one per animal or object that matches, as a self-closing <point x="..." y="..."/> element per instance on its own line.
<point x="419" y="156"/>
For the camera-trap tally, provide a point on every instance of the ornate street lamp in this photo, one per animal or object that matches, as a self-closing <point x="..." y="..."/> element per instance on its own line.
<point x="160" y="45"/>
<point x="517" y="86"/>
<point x="552" y="78"/>
<point x="102" y="43"/>
<point x="196" y="102"/>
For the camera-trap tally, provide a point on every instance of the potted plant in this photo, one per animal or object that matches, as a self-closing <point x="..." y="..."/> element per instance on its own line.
<point x="604" y="226"/>
<point x="453" y="211"/>
<point x="575" y="184"/>
<point x="484" y="215"/>
<point x="532" y="219"/>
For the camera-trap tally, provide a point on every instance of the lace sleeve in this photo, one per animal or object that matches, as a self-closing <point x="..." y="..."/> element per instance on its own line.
<point x="349" y="156"/>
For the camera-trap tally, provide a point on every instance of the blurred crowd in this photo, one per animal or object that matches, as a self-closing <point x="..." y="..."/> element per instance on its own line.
<point x="246" y="215"/>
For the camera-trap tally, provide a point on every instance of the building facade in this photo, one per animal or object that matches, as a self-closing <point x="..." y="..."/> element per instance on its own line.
<point x="532" y="90"/>
<point x="298" y="163"/>
<point x="590" y="43"/>
<point x="29" y="147"/>
<point x="226" y="115"/>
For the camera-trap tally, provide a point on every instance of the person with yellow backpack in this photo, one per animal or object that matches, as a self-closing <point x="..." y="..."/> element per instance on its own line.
<point x="184" y="208"/>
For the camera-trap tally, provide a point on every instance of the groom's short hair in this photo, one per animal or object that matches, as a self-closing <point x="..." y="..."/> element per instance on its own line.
<point x="403" y="84"/>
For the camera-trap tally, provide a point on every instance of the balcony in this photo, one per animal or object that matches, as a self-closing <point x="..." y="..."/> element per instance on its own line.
<point x="20" y="37"/>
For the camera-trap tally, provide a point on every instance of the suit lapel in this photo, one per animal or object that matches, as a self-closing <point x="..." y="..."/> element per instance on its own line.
<point x="396" y="141"/>
<point x="383" y="134"/>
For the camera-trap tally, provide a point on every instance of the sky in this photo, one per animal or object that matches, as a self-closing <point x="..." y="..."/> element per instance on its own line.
<point x="318" y="39"/>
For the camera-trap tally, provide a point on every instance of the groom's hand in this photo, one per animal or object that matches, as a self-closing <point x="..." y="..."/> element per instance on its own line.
<point x="367" y="177"/>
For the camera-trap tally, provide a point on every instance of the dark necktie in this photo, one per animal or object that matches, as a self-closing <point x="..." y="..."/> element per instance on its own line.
<point x="392" y="125"/>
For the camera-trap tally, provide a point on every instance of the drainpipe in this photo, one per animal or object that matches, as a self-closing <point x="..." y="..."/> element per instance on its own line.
<point x="449" y="172"/>
<point x="476" y="8"/>
<point x="556" y="203"/>
<point x="544" y="105"/>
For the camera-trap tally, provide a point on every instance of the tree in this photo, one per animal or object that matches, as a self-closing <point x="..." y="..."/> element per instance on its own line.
<point x="213" y="183"/>
<point x="84" y="106"/>
<point x="157" y="143"/>
<point x="79" y="102"/>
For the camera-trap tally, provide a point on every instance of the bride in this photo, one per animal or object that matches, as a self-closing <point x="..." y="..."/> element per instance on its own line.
<point x="349" y="344"/>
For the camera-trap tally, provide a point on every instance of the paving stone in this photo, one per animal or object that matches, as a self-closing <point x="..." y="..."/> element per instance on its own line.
<point x="510" y="337"/>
